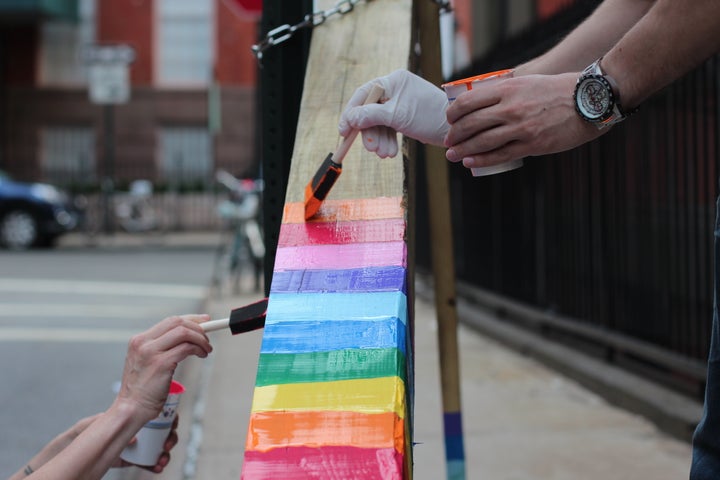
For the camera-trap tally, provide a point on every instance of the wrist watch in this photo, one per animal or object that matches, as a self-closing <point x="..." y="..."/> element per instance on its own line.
<point x="597" y="99"/>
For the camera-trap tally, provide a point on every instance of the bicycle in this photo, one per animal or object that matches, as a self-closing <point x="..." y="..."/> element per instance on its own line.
<point x="241" y="242"/>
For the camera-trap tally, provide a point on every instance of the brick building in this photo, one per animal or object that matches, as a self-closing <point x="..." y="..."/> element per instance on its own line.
<point x="192" y="101"/>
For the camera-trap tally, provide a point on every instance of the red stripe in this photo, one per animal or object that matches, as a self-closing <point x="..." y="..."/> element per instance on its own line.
<point x="295" y="463"/>
<point x="326" y="233"/>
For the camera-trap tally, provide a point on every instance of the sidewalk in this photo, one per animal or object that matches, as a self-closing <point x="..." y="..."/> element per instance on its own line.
<point x="521" y="420"/>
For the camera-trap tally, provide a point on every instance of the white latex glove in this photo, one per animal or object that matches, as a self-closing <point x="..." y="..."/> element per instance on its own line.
<point x="411" y="106"/>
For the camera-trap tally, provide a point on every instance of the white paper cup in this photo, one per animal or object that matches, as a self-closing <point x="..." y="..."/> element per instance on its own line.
<point x="151" y="437"/>
<point x="453" y="89"/>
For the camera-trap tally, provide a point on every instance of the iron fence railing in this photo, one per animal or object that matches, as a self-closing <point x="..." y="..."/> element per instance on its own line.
<point x="616" y="234"/>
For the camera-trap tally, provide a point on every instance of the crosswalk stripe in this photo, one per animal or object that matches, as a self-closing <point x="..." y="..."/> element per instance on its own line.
<point x="65" y="335"/>
<point x="85" y="287"/>
<point x="67" y="310"/>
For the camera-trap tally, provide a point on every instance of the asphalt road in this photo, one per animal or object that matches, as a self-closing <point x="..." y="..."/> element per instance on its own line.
<point x="65" y="318"/>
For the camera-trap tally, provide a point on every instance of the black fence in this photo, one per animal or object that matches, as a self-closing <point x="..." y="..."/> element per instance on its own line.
<point x="616" y="234"/>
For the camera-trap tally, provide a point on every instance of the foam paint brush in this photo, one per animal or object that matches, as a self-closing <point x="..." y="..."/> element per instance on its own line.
<point x="242" y="319"/>
<point x="331" y="168"/>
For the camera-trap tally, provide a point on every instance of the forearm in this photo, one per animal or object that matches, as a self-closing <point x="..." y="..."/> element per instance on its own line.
<point x="95" y="450"/>
<point x="592" y="39"/>
<point x="54" y="447"/>
<point x="672" y="39"/>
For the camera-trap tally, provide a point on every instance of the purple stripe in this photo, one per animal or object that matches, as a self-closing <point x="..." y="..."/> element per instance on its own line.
<point x="376" y="279"/>
<point x="338" y="257"/>
<point x="453" y="423"/>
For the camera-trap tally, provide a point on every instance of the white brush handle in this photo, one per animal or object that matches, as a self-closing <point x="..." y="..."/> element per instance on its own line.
<point x="213" y="325"/>
<point x="374" y="96"/>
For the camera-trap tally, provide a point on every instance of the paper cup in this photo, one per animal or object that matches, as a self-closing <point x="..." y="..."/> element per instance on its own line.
<point x="152" y="436"/>
<point x="453" y="89"/>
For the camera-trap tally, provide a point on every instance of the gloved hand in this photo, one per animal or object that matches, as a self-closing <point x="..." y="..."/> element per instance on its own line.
<point x="411" y="105"/>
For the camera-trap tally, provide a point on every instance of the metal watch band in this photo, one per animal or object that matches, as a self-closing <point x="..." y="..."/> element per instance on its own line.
<point x="618" y="114"/>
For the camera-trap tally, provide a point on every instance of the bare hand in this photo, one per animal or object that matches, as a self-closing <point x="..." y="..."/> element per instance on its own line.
<point x="516" y="118"/>
<point x="152" y="358"/>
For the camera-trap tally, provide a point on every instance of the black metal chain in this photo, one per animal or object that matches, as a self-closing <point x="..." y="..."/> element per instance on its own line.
<point x="285" y="32"/>
<point x="311" y="20"/>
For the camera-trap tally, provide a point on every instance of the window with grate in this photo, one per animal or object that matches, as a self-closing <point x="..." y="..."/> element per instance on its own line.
<point x="62" y="45"/>
<point x="68" y="155"/>
<point x="184" y="42"/>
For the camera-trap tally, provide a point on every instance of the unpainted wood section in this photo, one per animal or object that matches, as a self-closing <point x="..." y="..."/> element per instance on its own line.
<point x="347" y="51"/>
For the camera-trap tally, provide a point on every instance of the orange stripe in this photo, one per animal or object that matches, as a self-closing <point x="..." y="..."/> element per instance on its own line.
<point x="277" y="429"/>
<point x="347" y="210"/>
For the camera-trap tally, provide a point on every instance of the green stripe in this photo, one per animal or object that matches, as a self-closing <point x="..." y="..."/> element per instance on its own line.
<point x="280" y="368"/>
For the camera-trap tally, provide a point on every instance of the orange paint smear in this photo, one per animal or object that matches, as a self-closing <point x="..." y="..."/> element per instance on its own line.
<point x="281" y="429"/>
<point x="347" y="210"/>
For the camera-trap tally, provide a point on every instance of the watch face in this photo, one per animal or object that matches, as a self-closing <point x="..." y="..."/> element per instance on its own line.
<point x="594" y="98"/>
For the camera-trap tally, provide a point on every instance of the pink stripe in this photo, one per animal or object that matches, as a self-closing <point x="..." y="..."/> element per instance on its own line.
<point x="326" y="233"/>
<point x="295" y="463"/>
<point x="335" y="257"/>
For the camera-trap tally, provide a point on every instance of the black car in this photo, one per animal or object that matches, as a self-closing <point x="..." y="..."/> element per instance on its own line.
<point x="33" y="214"/>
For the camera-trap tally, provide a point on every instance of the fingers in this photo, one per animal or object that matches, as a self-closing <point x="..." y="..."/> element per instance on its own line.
<point x="472" y="100"/>
<point x="366" y="116"/>
<point x="356" y="100"/>
<point x="168" y="324"/>
<point x="481" y="142"/>
<point x="182" y="330"/>
<point x="170" y="442"/>
<point x="387" y="143"/>
<point x="171" y="333"/>
<point x="511" y="151"/>
<point x="472" y="125"/>
<point x="380" y="140"/>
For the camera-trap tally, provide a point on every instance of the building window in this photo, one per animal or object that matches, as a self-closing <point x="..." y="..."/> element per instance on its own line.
<point x="68" y="155"/>
<point x="185" y="156"/>
<point x="62" y="45"/>
<point x="185" y="42"/>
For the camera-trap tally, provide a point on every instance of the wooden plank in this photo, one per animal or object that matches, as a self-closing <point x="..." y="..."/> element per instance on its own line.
<point x="371" y="41"/>
<point x="333" y="392"/>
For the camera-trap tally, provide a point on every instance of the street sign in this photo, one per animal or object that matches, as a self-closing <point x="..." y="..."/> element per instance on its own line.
<point x="108" y="70"/>
<point x="109" y="83"/>
<point x="109" y="54"/>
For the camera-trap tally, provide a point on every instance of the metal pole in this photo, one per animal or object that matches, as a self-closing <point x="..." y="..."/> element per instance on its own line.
<point x="280" y="83"/>
<point x="108" y="183"/>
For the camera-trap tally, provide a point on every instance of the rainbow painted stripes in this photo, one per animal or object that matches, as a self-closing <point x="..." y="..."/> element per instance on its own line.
<point x="331" y="396"/>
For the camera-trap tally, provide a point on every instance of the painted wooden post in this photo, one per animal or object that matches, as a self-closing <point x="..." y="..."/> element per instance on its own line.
<point x="333" y="394"/>
<point x="442" y="252"/>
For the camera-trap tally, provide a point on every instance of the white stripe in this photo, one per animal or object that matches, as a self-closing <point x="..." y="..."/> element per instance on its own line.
<point x="72" y="310"/>
<point x="86" y="287"/>
<point x="83" y="335"/>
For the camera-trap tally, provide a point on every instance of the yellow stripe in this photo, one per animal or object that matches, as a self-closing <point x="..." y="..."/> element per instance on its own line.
<point x="371" y="395"/>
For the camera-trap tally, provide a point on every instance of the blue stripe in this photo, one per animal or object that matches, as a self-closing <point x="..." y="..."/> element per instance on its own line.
<point x="308" y="336"/>
<point x="454" y="447"/>
<point x="291" y="307"/>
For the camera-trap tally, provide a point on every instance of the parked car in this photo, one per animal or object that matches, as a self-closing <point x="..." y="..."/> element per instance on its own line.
<point x="33" y="214"/>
